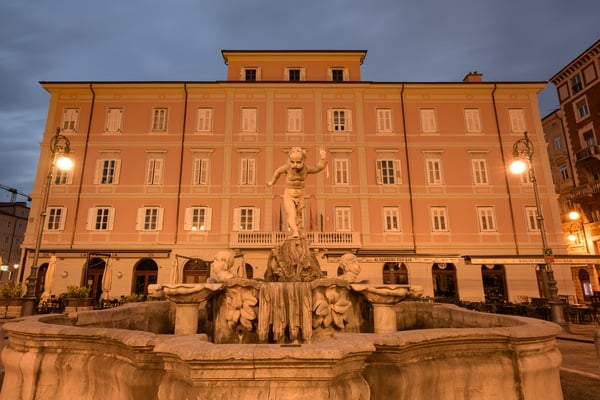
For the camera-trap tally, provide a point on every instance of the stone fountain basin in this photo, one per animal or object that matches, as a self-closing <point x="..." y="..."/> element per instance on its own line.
<point x="130" y="352"/>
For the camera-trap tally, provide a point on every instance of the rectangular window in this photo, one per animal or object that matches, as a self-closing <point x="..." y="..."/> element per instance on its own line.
<point x="428" y="120"/>
<point x="576" y="84"/>
<point x="558" y="143"/>
<point x="204" y="120"/>
<point x="341" y="171"/>
<point x="391" y="218"/>
<point x="149" y="219"/>
<point x="337" y="75"/>
<point x="100" y="218"/>
<point x="55" y="220"/>
<point x="294" y="75"/>
<point x="200" y="174"/>
<point x="339" y="120"/>
<point x="384" y="120"/>
<point x="250" y="74"/>
<point x="70" y="119"/>
<point x="197" y="219"/>
<point x="581" y="110"/>
<point x="439" y="219"/>
<point x="564" y="172"/>
<point x="533" y="224"/>
<point x="249" y="119"/>
<point x="246" y="219"/>
<point x="516" y="118"/>
<point x="479" y="168"/>
<point x="487" y="219"/>
<point x="248" y="171"/>
<point x="434" y="171"/>
<point x="114" y="120"/>
<point x="589" y="139"/>
<point x="154" y="171"/>
<point x="63" y="177"/>
<point x="343" y="219"/>
<point x="159" y="119"/>
<point x="107" y="172"/>
<point x="294" y="119"/>
<point x="388" y="172"/>
<point x="472" y="120"/>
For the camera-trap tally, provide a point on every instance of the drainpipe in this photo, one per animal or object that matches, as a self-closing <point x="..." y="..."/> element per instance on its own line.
<point x="410" y="193"/>
<point x="83" y="162"/>
<point x="510" y="203"/>
<point x="181" y="154"/>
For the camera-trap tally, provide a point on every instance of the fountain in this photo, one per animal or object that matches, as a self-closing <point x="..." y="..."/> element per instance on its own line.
<point x="291" y="335"/>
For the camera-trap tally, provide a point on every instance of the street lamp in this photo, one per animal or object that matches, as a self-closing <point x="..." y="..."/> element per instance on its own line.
<point x="575" y="216"/>
<point x="523" y="155"/>
<point x="60" y="147"/>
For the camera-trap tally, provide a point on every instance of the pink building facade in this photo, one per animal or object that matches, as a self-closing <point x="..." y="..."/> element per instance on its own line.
<point x="417" y="183"/>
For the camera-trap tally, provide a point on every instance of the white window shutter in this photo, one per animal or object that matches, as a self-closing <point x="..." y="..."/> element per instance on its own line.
<point x="330" y="120"/>
<point x="187" y="221"/>
<point x="111" y="218"/>
<point x="117" y="172"/>
<point x="398" y="171"/>
<point x="91" y="217"/>
<point x="160" y="219"/>
<point x="98" y="172"/>
<point x="379" y="177"/>
<point x="139" y="221"/>
<point x="236" y="219"/>
<point x="349" y="120"/>
<point x="251" y="171"/>
<point x="256" y="220"/>
<point x="208" y="219"/>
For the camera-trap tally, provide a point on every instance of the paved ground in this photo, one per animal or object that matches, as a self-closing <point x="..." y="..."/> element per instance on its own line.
<point x="580" y="369"/>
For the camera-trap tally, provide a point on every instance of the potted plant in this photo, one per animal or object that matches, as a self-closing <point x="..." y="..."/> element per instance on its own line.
<point x="11" y="300"/>
<point x="77" y="298"/>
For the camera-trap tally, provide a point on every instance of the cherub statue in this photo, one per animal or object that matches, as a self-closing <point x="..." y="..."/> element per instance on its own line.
<point x="293" y="197"/>
<point x="349" y="264"/>
<point x="220" y="270"/>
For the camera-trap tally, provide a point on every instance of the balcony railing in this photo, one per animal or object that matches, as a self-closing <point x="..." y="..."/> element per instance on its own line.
<point x="586" y="190"/>
<point x="315" y="239"/>
<point x="588" y="152"/>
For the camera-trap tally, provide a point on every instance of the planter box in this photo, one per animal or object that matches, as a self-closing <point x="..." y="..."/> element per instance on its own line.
<point x="10" y="308"/>
<point x="78" y="304"/>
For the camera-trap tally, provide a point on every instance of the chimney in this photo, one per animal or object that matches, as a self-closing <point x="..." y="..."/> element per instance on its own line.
<point x="473" y="77"/>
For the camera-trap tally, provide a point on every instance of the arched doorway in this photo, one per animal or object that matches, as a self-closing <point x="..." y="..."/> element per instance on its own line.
<point x="444" y="282"/>
<point x="494" y="283"/>
<point x="249" y="271"/>
<point x="145" y="273"/>
<point x="41" y="279"/>
<point x="94" y="272"/>
<point x="395" y="274"/>
<point x="586" y="284"/>
<point x="195" y="270"/>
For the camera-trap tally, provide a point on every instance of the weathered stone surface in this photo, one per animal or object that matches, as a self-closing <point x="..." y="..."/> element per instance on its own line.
<point x="433" y="355"/>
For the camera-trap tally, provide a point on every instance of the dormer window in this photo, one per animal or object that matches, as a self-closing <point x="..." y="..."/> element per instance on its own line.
<point x="337" y="75"/>
<point x="294" y="75"/>
<point x="250" y="74"/>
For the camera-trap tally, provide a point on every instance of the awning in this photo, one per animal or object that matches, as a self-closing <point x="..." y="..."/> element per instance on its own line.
<point x="532" y="259"/>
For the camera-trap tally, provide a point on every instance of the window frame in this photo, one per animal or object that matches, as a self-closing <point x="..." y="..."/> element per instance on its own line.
<point x="439" y="219"/>
<point x="390" y="174"/>
<point x="384" y="120"/>
<point x="473" y="120"/>
<point x="343" y="218"/>
<point x="531" y="219"/>
<point x="70" y="120"/>
<point x="250" y="214"/>
<point x="160" y="119"/>
<point x="249" y="120"/>
<point x="154" y="171"/>
<point x="114" y="120"/>
<point x="339" y="120"/>
<point x="100" y="223"/>
<point x="516" y="119"/>
<point x="193" y="221"/>
<point x="103" y="174"/>
<point x="433" y="169"/>
<point x="149" y="219"/>
<point x="295" y="120"/>
<point x="204" y="119"/>
<point x="391" y="217"/>
<point x="428" y="121"/>
<point x="486" y="216"/>
<point x="479" y="171"/>
<point x="55" y="218"/>
<point x="341" y="171"/>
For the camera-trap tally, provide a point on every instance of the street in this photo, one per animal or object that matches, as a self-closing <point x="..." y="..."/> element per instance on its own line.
<point x="580" y="370"/>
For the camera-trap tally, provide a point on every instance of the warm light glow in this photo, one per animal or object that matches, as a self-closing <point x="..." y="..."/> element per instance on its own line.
<point x="572" y="237"/>
<point x="574" y="215"/>
<point x="64" y="163"/>
<point x="518" y="167"/>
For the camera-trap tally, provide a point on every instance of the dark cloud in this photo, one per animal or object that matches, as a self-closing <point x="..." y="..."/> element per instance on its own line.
<point x="427" y="40"/>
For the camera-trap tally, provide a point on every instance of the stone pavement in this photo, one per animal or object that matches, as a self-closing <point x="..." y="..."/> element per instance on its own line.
<point x="587" y="362"/>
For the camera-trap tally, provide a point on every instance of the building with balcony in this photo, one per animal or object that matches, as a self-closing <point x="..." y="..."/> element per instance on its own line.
<point x="573" y="133"/>
<point x="417" y="183"/>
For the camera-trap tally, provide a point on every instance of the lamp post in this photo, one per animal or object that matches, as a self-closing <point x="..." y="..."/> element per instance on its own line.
<point x="523" y="150"/>
<point x="60" y="147"/>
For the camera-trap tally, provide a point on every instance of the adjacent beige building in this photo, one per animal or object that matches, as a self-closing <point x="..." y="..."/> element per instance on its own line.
<point x="417" y="183"/>
<point x="573" y="133"/>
